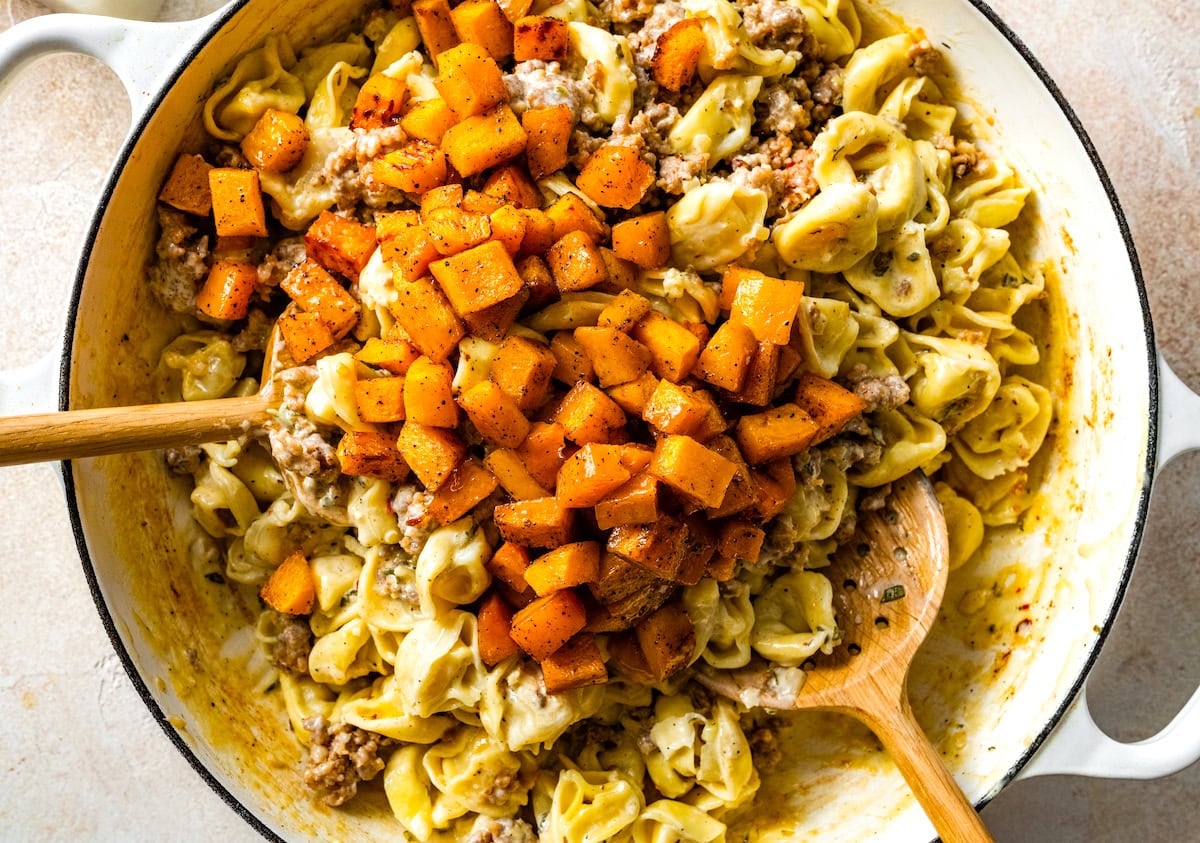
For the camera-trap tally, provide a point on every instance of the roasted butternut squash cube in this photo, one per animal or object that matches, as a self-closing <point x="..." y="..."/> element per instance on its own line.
<point x="616" y="357"/>
<point x="677" y="54"/>
<point x="379" y="400"/>
<point x="576" y="664"/>
<point x="767" y="306"/>
<point x="778" y="432"/>
<point x="228" y="289"/>
<point x="544" y="451"/>
<point x="425" y="314"/>
<point x="692" y="470"/>
<point x="539" y="232"/>
<point x="538" y="37"/>
<point x="588" y="415"/>
<point x="570" y="212"/>
<point x="549" y="129"/>
<point x="470" y="81"/>
<point x="542" y="522"/>
<point x="667" y="639"/>
<point x="831" y="406"/>
<point x="743" y="492"/>
<point x="494" y="625"/>
<point x="513" y="186"/>
<point x="455" y="230"/>
<point x="632" y="397"/>
<point x="446" y="196"/>
<point x="187" y="187"/>
<point x="576" y="263"/>
<point x="291" y="588"/>
<point x="409" y="252"/>
<point x="436" y="25"/>
<point x="510" y="470"/>
<point x="514" y="10"/>
<point x="277" y="142"/>
<point x="616" y="176"/>
<point x="563" y="567"/>
<point x="730" y="280"/>
<point x="761" y="375"/>
<point x="495" y="415"/>
<point x="477" y="278"/>
<point x="619" y="578"/>
<point x="700" y="548"/>
<point x="415" y="168"/>
<point x="634" y="502"/>
<point x="371" y="454"/>
<point x="508" y="228"/>
<point x="482" y="22"/>
<point x="572" y="362"/>
<point x="741" y="541"/>
<point x="237" y="202"/>
<point x="304" y="333"/>
<point x="590" y="474"/>
<point x="467" y="485"/>
<point x="523" y="368"/>
<point x="429" y="394"/>
<point x="624" y="311"/>
<point x="725" y="361"/>
<point x="657" y="547"/>
<point x="340" y="245"/>
<point x="548" y="623"/>
<point x="429" y="120"/>
<point x="432" y="452"/>
<point x="674" y="409"/>
<point x="508" y="564"/>
<point x="644" y="240"/>
<point x="492" y="323"/>
<point x="380" y="103"/>
<point x="673" y="348"/>
<point x="484" y="141"/>
<point x="315" y="290"/>
<point x="536" y="277"/>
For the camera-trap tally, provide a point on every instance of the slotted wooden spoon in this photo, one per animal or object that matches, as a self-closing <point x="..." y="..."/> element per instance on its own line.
<point x="888" y="585"/>
<point x="75" y="434"/>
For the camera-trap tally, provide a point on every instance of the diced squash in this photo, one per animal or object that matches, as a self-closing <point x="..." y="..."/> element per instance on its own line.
<point x="566" y="566"/>
<point x="340" y="245"/>
<point x="492" y="323"/>
<point x="227" y="289"/>
<point x="424" y="312"/>
<point x="548" y="623"/>
<point x="541" y="522"/>
<point x="645" y="240"/>
<point x="409" y="253"/>
<point x="789" y="365"/>
<point x="536" y="277"/>
<point x="514" y="10"/>
<point x="436" y="26"/>
<point x="483" y="22"/>
<point x="380" y="103"/>
<point x="622" y="274"/>
<point x="619" y="578"/>
<point x="667" y="639"/>
<point x="721" y="568"/>
<point x="508" y="564"/>
<point x="616" y="176"/>
<point x="576" y="263"/>
<point x="714" y="423"/>
<point x="277" y="142"/>
<point x="625" y="311"/>
<point x="625" y="657"/>
<point x="237" y="202"/>
<point x="590" y="474"/>
<point x="478" y="277"/>
<point x="572" y="362"/>
<point x="494" y="624"/>
<point x="523" y="368"/>
<point x="187" y="187"/>
<point x="767" y="306"/>
<point x="673" y="348"/>
<point x="771" y="497"/>
<point x="778" y="432"/>
<point x="741" y="541"/>
<point x="429" y="120"/>
<point x="576" y="664"/>
<point x="632" y="397"/>
<point x="549" y="129"/>
<point x="432" y="452"/>
<point x="467" y="485"/>
<point x="635" y="502"/>
<point x="446" y="196"/>
<point x="570" y="212"/>
<point x="371" y="454"/>
<point x="429" y="394"/>
<point x="731" y="280"/>
<point x="470" y="81"/>
<point x="484" y="141"/>
<point x="508" y="228"/>
<point x="538" y="37"/>
<point x="380" y="400"/>
<point x="726" y="359"/>
<point x="588" y="415"/>
<point x="829" y="405"/>
<point x="761" y="374"/>
<point x="510" y="470"/>
<point x="743" y="492"/>
<point x="693" y="470"/>
<point x="305" y="334"/>
<point x="234" y="248"/>
<point x="657" y="547"/>
<point x="544" y="451"/>
<point x="481" y="203"/>
<point x="414" y="168"/>
<point x="616" y="357"/>
<point x="315" y="290"/>
<point x="677" y="54"/>
<point x="624" y="613"/>
<point x="512" y="185"/>
<point x="701" y="545"/>
<point x="454" y="230"/>
<point x="636" y="458"/>
<point x="291" y="589"/>
<point x="495" y="414"/>
<point x="539" y="234"/>
<point x="674" y="409"/>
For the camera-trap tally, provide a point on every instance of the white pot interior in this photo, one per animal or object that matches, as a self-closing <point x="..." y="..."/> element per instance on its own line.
<point x="1019" y="624"/>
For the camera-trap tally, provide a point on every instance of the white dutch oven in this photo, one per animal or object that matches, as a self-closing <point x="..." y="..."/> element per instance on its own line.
<point x="1001" y="684"/>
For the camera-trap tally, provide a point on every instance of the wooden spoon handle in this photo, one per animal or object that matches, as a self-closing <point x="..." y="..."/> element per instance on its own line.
<point x="945" y="804"/>
<point x="118" y="430"/>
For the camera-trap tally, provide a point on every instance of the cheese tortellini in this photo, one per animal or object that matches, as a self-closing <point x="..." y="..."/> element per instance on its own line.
<point x="715" y="224"/>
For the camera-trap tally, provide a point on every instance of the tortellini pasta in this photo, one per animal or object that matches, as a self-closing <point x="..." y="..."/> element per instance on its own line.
<point x="794" y="619"/>
<point x="616" y="82"/>
<point x="590" y="807"/>
<point x="1006" y="435"/>
<point x="872" y="69"/>
<point x="715" y="224"/>
<point x="719" y="121"/>
<point x="303" y="192"/>
<point x="898" y="276"/>
<point x="439" y="660"/>
<point x="834" y="24"/>
<point x="837" y="228"/>
<point x="727" y="47"/>
<point x="261" y="80"/>
<point x="954" y="382"/>
<point x="911" y="440"/>
<point x="208" y="366"/>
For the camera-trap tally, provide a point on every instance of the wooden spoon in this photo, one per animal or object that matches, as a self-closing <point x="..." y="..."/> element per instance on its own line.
<point x="888" y="585"/>
<point x="75" y="434"/>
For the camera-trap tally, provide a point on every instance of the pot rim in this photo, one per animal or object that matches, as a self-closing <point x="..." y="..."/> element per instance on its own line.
<point x="143" y="690"/>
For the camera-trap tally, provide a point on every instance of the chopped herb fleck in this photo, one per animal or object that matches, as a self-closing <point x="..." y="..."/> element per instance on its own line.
<point x="894" y="592"/>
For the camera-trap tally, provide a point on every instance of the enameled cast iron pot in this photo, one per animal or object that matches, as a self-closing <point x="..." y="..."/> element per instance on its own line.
<point x="1000" y="684"/>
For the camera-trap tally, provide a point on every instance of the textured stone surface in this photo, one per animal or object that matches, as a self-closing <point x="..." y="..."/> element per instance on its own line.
<point x="82" y="759"/>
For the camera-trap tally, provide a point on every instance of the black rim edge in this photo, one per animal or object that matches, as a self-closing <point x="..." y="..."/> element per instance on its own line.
<point x="233" y="802"/>
<point x="64" y="373"/>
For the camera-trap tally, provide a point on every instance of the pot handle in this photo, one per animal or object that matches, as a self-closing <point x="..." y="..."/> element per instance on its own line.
<point x="1077" y="746"/>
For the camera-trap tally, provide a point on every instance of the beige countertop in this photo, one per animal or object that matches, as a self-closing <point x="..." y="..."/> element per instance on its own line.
<point x="81" y="758"/>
